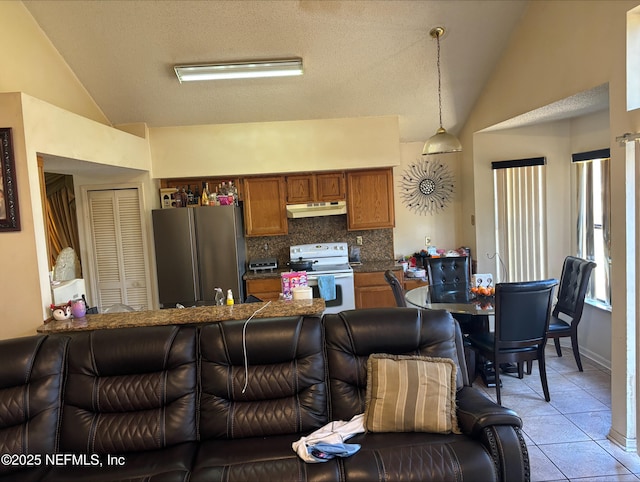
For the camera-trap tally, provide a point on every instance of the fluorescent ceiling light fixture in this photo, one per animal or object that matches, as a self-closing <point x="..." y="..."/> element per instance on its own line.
<point x="239" y="70"/>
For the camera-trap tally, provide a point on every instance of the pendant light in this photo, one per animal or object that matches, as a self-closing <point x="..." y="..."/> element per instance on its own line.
<point x="441" y="142"/>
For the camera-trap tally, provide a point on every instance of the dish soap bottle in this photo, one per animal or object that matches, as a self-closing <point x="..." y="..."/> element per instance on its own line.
<point x="229" y="298"/>
<point x="219" y="297"/>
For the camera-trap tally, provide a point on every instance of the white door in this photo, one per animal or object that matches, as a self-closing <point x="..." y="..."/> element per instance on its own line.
<point x="120" y="270"/>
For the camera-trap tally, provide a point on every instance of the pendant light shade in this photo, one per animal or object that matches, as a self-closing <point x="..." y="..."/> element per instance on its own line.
<point x="441" y="142"/>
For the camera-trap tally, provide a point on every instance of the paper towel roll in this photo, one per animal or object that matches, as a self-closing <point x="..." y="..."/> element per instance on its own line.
<point x="302" y="293"/>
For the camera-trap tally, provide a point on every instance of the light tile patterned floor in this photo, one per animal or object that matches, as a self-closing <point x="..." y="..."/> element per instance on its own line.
<point x="567" y="437"/>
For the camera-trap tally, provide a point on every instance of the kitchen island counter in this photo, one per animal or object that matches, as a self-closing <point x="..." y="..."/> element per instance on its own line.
<point x="186" y="316"/>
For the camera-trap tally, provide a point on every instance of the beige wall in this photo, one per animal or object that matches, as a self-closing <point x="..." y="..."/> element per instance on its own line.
<point x="31" y="64"/>
<point x="412" y="228"/>
<point x="40" y="128"/>
<point x="274" y="147"/>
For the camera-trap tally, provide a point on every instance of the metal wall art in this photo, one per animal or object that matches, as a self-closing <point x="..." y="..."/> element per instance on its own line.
<point x="9" y="215"/>
<point x="427" y="186"/>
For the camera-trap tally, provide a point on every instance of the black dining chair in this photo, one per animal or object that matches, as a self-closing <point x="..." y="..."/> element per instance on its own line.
<point x="574" y="282"/>
<point x="449" y="279"/>
<point x="522" y="312"/>
<point x="396" y="287"/>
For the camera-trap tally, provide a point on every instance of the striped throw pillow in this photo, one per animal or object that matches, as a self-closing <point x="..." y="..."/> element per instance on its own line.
<point x="411" y="394"/>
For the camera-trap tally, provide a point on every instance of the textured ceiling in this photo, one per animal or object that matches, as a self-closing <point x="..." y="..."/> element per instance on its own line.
<point x="361" y="58"/>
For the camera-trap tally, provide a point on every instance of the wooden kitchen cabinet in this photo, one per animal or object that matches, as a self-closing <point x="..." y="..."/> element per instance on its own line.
<point x="264" y="206"/>
<point x="373" y="291"/>
<point x="324" y="187"/>
<point x="370" y="203"/>
<point x="267" y="289"/>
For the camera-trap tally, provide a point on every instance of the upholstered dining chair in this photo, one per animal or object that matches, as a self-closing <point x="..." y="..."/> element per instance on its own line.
<point x="398" y="291"/>
<point x="449" y="279"/>
<point x="571" y="293"/>
<point x="522" y="312"/>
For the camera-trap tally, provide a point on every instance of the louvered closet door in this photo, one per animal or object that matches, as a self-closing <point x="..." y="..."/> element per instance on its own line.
<point x="119" y="252"/>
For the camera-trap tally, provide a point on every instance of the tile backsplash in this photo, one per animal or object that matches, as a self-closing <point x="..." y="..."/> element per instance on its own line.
<point x="377" y="244"/>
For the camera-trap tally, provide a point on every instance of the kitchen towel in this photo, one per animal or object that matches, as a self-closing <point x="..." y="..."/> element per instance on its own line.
<point x="327" y="287"/>
<point x="328" y="441"/>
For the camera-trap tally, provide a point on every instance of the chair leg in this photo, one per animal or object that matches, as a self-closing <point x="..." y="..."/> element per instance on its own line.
<point x="497" y="370"/>
<point x="576" y="350"/>
<point x="529" y="367"/>
<point x="520" y="370"/>
<point x="556" y="342"/>
<point x="543" y="375"/>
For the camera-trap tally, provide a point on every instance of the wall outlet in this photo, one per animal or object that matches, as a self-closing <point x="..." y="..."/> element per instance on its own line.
<point x="359" y="240"/>
<point x="427" y="241"/>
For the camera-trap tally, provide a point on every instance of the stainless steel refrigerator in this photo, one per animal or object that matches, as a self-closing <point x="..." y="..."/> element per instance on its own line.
<point x="198" y="249"/>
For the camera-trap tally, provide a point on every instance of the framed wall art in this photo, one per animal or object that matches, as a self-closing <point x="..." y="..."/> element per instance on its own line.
<point x="427" y="186"/>
<point x="9" y="212"/>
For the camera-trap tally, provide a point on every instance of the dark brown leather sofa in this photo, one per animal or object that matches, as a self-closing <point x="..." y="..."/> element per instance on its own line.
<point x="225" y="401"/>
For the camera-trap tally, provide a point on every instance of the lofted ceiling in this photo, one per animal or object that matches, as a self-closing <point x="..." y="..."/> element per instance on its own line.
<point x="361" y="57"/>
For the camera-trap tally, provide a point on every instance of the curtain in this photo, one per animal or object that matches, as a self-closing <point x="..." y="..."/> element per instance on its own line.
<point x="61" y="213"/>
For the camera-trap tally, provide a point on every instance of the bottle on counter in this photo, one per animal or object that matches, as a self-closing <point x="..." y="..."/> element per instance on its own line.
<point x="229" y="298"/>
<point x="185" y="197"/>
<point x="177" y="198"/>
<point x="196" y="196"/>
<point x="219" y="297"/>
<point x="205" y="194"/>
<point x="190" y="199"/>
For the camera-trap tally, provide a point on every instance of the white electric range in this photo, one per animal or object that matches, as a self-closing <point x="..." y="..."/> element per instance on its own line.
<point x="331" y="259"/>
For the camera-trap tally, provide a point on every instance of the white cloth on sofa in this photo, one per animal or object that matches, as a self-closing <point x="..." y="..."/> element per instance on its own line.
<point x="328" y="441"/>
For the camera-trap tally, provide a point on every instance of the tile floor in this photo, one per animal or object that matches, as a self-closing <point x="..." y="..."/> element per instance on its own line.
<point x="567" y="437"/>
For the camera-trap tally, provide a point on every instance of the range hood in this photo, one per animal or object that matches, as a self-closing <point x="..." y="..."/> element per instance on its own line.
<point x="316" y="209"/>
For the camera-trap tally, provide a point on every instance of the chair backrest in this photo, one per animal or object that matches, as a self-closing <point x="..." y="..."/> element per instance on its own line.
<point x="573" y="287"/>
<point x="398" y="291"/>
<point x="522" y="312"/>
<point x="449" y="279"/>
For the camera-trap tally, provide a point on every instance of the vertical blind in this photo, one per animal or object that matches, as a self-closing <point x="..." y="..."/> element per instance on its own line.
<point x="521" y="217"/>
<point x="593" y="218"/>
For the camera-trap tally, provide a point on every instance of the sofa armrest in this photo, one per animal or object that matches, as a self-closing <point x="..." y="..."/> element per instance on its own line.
<point x="476" y="412"/>
<point x="498" y="429"/>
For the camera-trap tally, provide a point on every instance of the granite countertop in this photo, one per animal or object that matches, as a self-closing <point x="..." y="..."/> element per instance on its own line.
<point x="376" y="265"/>
<point x="364" y="267"/>
<point x="185" y="316"/>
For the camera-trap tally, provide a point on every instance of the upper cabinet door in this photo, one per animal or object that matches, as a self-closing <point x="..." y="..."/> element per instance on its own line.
<point x="330" y="186"/>
<point x="308" y="188"/>
<point x="264" y="206"/>
<point x="370" y="199"/>
<point x="301" y="189"/>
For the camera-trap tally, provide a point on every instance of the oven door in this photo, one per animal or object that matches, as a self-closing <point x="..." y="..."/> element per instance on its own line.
<point x="345" y="293"/>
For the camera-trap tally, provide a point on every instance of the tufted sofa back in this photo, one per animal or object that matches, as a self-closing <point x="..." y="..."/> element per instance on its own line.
<point x="283" y="365"/>
<point x="130" y="390"/>
<point x="351" y="336"/>
<point x="31" y="379"/>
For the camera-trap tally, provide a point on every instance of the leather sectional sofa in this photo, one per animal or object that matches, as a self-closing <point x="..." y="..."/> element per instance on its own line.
<point x="225" y="402"/>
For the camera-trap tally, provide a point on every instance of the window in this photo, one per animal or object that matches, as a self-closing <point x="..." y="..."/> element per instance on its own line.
<point x="520" y="217"/>
<point x="593" y="216"/>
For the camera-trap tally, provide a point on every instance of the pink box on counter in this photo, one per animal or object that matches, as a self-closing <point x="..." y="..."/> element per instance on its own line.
<point x="292" y="280"/>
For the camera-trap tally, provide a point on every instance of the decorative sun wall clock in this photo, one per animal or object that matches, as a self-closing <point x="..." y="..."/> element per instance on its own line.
<point x="427" y="186"/>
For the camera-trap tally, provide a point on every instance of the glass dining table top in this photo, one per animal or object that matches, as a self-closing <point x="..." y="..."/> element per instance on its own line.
<point x="449" y="300"/>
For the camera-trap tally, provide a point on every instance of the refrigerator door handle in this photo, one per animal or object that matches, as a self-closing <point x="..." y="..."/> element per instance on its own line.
<point x="194" y="256"/>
